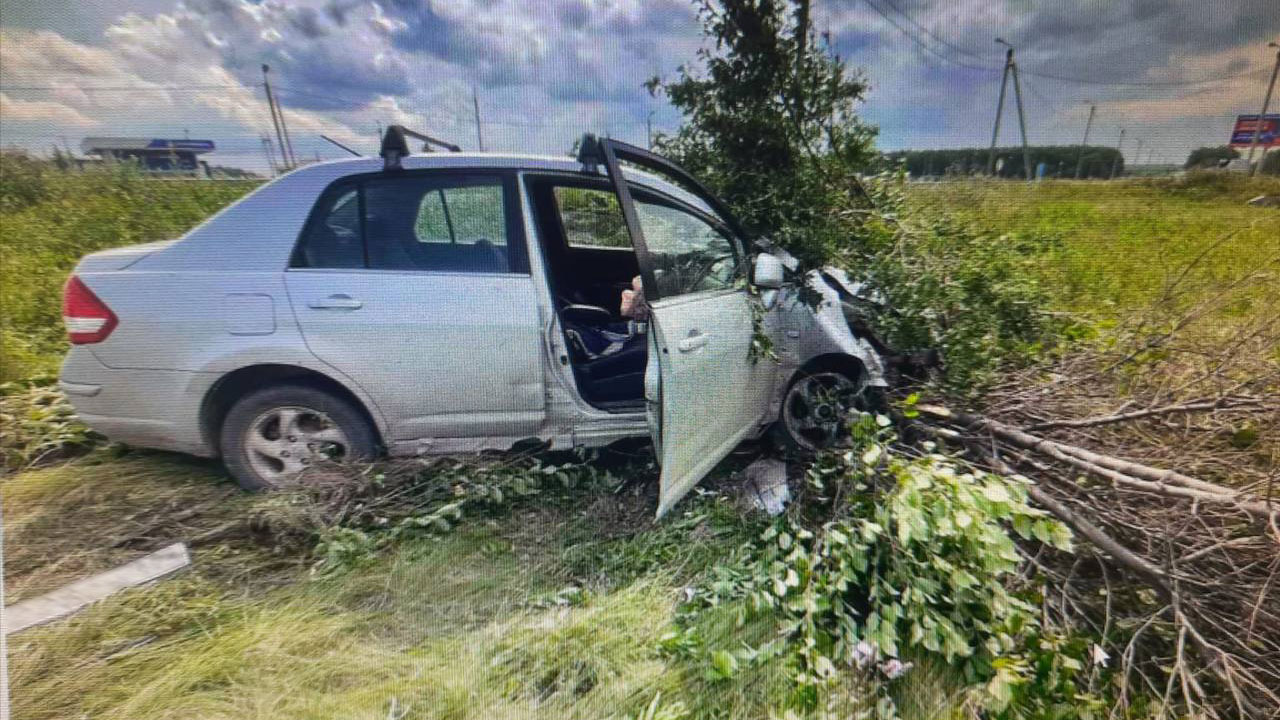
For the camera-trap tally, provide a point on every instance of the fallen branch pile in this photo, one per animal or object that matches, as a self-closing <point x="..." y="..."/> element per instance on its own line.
<point x="1208" y="555"/>
<point x="1178" y="499"/>
<point x="1176" y="490"/>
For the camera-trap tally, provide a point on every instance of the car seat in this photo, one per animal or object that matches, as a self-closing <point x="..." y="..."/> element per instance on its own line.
<point x="609" y="360"/>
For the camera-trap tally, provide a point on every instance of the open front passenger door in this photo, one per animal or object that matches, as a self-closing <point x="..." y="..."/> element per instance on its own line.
<point x="704" y="393"/>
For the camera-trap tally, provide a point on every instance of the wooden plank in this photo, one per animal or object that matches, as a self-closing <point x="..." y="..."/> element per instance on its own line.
<point x="82" y="593"/>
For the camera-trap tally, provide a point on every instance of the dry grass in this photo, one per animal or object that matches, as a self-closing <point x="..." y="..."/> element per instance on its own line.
<point x="554" y="611"/>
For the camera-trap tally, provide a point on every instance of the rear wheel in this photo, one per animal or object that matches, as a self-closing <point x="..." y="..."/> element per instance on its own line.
<point x="817" y="406"/>
<point x="271" y="435"/>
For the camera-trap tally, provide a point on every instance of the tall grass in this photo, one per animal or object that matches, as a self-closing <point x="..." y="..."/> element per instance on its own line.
<point x="49" y="219"/>
<point x="1122" y="243"/>
<point x="502" y="619"/>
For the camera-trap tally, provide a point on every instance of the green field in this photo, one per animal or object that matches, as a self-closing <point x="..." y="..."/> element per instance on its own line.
<point x="1116" y="247"/>
<point x="562" y="605"/>
<point x="50" y="219"/>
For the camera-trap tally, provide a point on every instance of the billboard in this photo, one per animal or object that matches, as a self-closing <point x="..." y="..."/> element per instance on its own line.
<point x="1242" y="134"/>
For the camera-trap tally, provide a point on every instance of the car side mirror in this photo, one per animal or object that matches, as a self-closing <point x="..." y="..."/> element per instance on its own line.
<point x="768" y="272"/>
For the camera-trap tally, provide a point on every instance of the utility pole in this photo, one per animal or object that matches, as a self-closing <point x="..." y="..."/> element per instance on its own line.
<point x="1010" y="68"/>
<point x="1137" y="156"/>
<point x="1262" y="117"/>
<point x="1080" y="155"/>
<point x="277" y="119"/>
<point x="1022" y="119"/>
<point x="475" y="103"/>
<point x="648" y="130"/>
<point x="995" y="131"/>
<point x="271" y="156"/>
<point x="1115" y="162"/>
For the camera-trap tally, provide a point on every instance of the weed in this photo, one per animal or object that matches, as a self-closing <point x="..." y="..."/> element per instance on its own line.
<point x="892" y="556"/>
<point x="50" y="219"/>
<point x="39" y="426"/>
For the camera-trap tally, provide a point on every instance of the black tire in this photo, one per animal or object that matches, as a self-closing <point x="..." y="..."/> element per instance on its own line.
<point x="791" y="442"/>
<point x="323" y="411"/>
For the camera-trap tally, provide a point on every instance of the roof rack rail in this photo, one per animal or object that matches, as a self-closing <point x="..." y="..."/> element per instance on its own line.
<point x="395" y="145"/>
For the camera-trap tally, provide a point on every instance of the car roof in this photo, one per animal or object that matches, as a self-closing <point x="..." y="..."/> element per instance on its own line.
<point x="512" y="161"/>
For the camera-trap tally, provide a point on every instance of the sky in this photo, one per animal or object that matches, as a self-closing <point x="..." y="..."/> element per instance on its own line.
<point x="1172" y="73"/>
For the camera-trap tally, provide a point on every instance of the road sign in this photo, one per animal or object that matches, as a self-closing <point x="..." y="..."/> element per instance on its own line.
<point x="1242" y="134"/>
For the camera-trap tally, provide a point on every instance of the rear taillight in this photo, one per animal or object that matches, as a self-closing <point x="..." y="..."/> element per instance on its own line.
<point x="87" y="318"/>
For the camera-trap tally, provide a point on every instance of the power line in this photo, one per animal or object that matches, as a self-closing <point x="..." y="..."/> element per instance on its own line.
<point x="931" y="34"/>
<point x="1151" y="83"/>
<point x="1049" y="76"/>
<point x="925" y="46"/>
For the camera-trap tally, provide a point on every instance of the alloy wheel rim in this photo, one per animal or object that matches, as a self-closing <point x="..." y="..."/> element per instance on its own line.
<point x="284" y="441"/>
<point x="817" y="408"/>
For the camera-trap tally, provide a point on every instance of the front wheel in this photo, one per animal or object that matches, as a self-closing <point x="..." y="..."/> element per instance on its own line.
<point x="274" y="434"/>
<point x="817" y="406"/>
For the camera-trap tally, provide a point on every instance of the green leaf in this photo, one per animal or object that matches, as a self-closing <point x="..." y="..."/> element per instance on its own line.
<point x="996" y="492"/>
<point x="723" y="664"/>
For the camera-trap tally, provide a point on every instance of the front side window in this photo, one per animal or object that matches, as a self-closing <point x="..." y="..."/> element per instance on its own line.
<point x="688" y="253"/>
<point x="592" y="218"/>
<point x="431" y="222"/>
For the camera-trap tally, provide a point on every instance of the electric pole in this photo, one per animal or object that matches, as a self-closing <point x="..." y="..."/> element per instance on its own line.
<point x="271" y="158"/>
<point x="475" y="103"/>
<point x="1080" y="155"/>
<point x="1022" y="120"/>
<point x="995" y="131"/>
<point x="277" y="119"/>
<point x="1010" y="68"/>
<point x="648" y="130"/>
<point x="1262" y="117"/>
<point x="1115" y="162"/>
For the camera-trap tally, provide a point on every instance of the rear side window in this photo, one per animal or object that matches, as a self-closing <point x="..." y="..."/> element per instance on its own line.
<point x="333" y="237"/>
<point x="464" y="214"/>
<point x="424" y="221"/>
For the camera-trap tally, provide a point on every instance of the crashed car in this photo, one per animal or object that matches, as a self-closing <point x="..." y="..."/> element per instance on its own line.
<point x="455" y="302"/>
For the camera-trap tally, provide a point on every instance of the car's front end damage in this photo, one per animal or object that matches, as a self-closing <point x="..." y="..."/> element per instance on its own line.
<point x="826" y="317"/>
<point x="807" y="333"/>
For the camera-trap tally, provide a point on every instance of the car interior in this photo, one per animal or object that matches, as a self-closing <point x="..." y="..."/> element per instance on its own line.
<point x="590" y="263"/>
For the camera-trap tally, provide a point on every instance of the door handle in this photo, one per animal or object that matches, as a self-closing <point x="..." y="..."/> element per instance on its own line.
<point x="336" y="302"/>
<point x="695" y="340"/>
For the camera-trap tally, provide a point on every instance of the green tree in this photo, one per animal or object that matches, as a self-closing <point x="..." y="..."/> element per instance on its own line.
<point x="771" y="122"/>
<point x="1210" y="157"/>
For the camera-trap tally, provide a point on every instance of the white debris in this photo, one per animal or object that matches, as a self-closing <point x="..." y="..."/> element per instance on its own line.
<point x="1098" y="655"/>
<point x="1266" y="201"/>
<point x="80" y="594"/>
<point x="767" y="481"/>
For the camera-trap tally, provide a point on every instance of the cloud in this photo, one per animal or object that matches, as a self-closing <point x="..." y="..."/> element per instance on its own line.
<point x="923" y="100"/>
<point x="43" y="112"/>
<point x="547" y="71"/>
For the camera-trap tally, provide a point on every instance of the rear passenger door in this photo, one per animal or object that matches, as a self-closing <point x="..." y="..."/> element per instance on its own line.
<point x="417" y="287"/>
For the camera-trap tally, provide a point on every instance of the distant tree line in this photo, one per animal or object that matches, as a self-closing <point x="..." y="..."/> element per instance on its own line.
<point x="1059" y="160"/>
